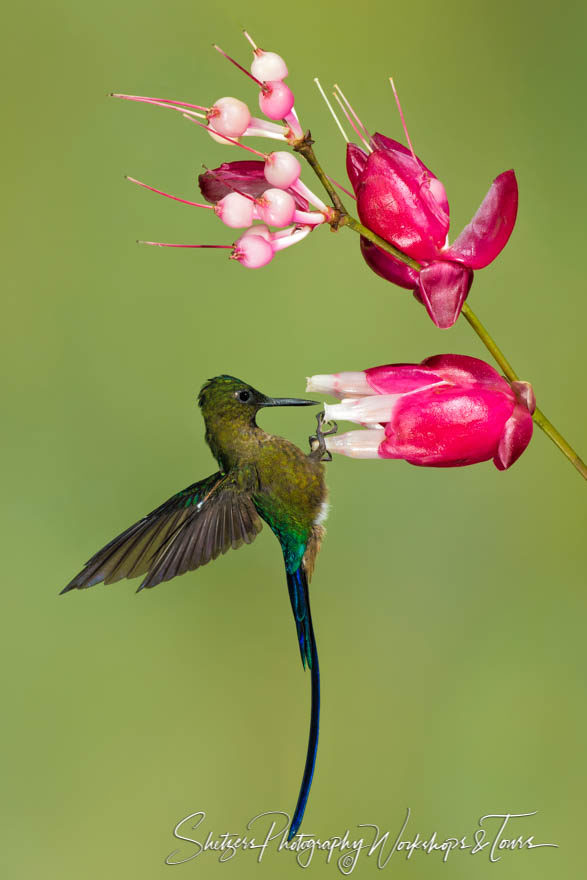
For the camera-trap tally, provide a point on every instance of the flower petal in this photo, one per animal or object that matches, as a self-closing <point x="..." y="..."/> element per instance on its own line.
<point x="447" y="426"/>
<point x="244" y="176"/>
<point x="525" y="395"/>
<point x="464" y="370"/>
<point x="488" y="232"/>
<point x="395" y="200"/>
<point x="443" y="288"/>
<point x="517" y="433"/>
<point x="382" y="142"/>
<point x="388" y="267"/>
<point x="401" y="378"/>
<point x="356" y="159"/>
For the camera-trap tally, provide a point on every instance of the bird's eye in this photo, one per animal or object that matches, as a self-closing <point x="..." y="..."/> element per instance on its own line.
<point x="244" y="396"/>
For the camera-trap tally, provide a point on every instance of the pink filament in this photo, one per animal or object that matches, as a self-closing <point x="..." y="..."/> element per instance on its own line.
<point x="167" y="244"/>
<point x="340" y="186"/>
<point x="405" y="127"/>
<point x="168" y="196"/>
<point x="161" y="102"/>
<point x="240" y="67"/>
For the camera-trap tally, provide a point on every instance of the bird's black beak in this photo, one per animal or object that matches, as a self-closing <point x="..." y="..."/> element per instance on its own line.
<point x="288" y="401"/>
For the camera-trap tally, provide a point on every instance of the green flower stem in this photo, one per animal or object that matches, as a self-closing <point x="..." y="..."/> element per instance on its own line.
<point x="343" y="218"/>
<point x="380" y="242"/>
<point x="539" y="418"/>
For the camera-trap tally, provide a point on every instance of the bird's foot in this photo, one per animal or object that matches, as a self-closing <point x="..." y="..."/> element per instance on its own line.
<point x="317" y="444"/>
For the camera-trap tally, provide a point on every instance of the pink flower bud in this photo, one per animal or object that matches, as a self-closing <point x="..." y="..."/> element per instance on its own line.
<point x="229" y="116"/>
<point x="282" y="169"/>
<point x="276" y="207"/>
<point x="448" y="411"/>
<point x="276" y="99"/>
<point x="268" y="66"/>
<point x="252" y="251"/>
<point x="235" y="210"/>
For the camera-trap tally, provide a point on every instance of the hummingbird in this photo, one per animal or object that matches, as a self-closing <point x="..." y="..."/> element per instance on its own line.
<point x="260" y="478"/>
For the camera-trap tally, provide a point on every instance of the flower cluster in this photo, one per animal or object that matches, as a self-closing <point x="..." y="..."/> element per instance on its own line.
<point x="397" y="196"/>
<point x="253" y="195"/>
<point x="448" y="411"/>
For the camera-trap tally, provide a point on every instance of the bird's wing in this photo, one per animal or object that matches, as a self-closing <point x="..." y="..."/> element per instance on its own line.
<point x="188" y="530"/>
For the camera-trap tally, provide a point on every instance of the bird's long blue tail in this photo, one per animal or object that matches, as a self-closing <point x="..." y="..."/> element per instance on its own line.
<point x="300" y="602"/>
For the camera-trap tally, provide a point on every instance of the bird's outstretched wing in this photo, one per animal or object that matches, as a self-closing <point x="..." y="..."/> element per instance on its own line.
<point x="190" y="529"/>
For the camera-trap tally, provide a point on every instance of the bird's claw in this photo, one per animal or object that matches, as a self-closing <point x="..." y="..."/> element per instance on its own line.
<point x="317" y="444"/>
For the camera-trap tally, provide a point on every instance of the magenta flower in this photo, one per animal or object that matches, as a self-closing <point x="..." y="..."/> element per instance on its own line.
<point x="449" y="411"/>
<point x="401" y="200"/>
<point x="398" y="197"/>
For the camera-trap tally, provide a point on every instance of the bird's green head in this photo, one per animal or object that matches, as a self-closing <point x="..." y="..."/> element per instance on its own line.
<point x="234" y="401"/>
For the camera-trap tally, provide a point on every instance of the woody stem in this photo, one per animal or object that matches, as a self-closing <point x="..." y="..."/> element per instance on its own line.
<point x="343" y="218"/>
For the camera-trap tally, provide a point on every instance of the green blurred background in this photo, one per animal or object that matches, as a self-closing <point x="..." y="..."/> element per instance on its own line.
<point x="449" y="604"/>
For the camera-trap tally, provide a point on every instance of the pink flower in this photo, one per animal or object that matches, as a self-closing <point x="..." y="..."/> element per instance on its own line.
<point x="405" y="203"/>
<point x="449" y="411"/>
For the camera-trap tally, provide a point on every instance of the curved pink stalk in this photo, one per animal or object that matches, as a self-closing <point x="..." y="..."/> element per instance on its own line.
<point x="309" y="218"/>
<point x="279" y="242"/>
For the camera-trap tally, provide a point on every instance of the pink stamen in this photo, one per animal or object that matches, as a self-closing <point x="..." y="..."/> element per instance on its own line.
<point x="348" y="103"/>
<point x="226" y="138"/>
<point x="261" y="85"/>
<point x="352" y="124"/>
<point x="168" y="196"/>
<point x="340" y="186"/>
<point x="251" y="41"/>
<point x="161" y="102"/>
<point x="167" y="244"/>
<point x="401" y="114"/>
